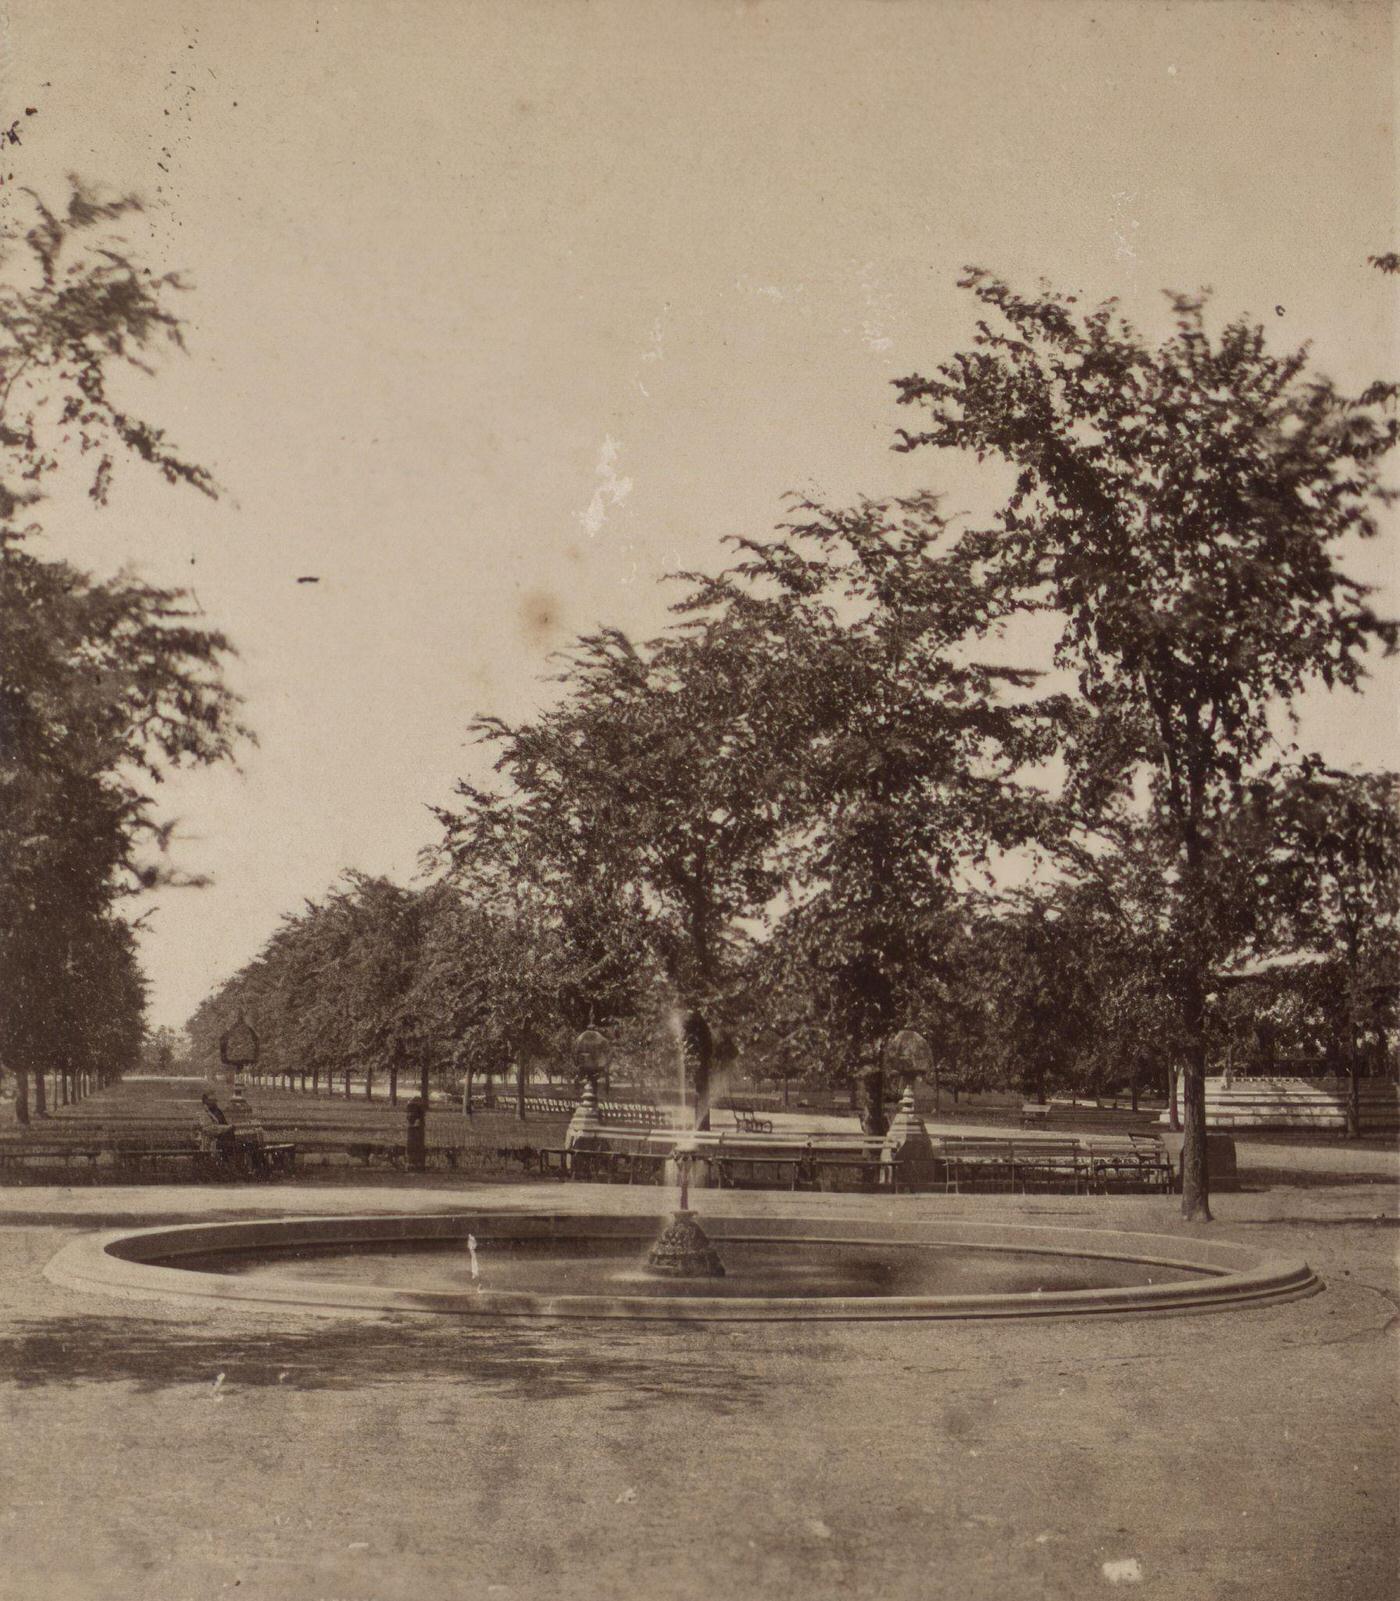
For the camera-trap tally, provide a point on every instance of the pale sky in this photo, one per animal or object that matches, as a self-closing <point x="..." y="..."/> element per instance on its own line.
<point x="501" y="310"/>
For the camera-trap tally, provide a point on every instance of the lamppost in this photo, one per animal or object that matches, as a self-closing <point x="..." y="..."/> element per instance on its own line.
<point x="592" y="1053"/>
<point x="239" y="1049"/>
<point x="907" y="1149"/>
<point x="909" y="1055"/>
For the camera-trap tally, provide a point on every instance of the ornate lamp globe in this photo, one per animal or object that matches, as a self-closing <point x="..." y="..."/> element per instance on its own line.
<point x="591" y="1052"/>
<point x="909" y="1054"/>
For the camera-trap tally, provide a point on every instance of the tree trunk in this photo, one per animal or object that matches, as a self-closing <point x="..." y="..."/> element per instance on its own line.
<point x="22" y="1097"/>
<point x="520" y="1086"/>
<point x="873" y="1119"/>
<point x="1354" y="1097"/>
<point x="1195" y="1175"/>
<point x="394" y="1085"/>
<point x="369" y="1083"/>
<point x="1353" y="1084"/>
<point x="1173" y="1105"/>
<point x="41" y="1095"/>
<point x="423" y="1085"/>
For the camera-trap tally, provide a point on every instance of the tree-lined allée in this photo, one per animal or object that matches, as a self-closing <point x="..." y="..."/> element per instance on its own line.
<point x="828" y="801"/>
<point x="821" y="806"/>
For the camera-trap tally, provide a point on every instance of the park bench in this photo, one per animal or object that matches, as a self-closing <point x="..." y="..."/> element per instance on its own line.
<point x="395" y="1153"/>
<point x="1142" y="1165"/>
<point x="852" y="1173"/>
<point x="973" y="1165"/>
<point x="16" y="1153"/>
<point x="640" y="1114"/>
<point x="615" y="1167"/>
<point x="1033" y="1115"/>
<point x="732" y="1171"/>
<point x="367" y="1151"/>
<point x="747" y="1120"/>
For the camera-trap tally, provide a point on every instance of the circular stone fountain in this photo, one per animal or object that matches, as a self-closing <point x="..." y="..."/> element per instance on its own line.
<point x="481" y="1264"/>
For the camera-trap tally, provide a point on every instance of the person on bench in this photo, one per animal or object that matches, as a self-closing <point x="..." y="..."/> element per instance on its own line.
<point x="221" y="1138"/>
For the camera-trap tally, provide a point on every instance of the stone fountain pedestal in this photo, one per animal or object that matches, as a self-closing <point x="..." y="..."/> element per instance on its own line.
<point x="683" y="1250"/>
<point x="907" y="1142"/>
<point x="586" y="1128"/>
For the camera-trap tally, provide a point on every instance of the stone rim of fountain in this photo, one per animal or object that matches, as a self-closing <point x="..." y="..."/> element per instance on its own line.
<point x="137" y="1264"/>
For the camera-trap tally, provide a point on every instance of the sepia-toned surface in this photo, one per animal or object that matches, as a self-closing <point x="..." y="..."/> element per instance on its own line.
<point x="1244" y="1454"/>
<point x="499" y="313"/>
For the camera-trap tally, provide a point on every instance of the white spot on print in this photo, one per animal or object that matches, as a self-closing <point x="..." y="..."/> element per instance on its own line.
<point x="611" y="490"/>
<point x="1124" y="1570"/>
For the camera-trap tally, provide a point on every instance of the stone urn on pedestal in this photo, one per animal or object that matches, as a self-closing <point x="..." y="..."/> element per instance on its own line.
<point x="907" y="1150"/>
<point x="591" y="1051"/>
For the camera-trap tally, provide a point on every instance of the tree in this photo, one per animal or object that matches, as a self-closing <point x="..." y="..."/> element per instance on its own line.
<point x="1179" y="510"/>
<point x="634" y="823"/>
<point x="1333" y="878"/>
<point x="900" y="758"/>
<point x="165" y="1052"/>
<point x="74" y="305"/>
<point x="103" y="686"/>
<point x="103" y="689"/>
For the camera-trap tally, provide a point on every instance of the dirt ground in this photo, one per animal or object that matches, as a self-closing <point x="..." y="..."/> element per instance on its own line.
<point x="178" y="1453"/>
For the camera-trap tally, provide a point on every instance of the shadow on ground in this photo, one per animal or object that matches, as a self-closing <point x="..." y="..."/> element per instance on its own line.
<point x="526" y="1364"/>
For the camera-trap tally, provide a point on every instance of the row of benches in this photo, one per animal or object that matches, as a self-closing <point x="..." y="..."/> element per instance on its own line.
<point x="636" y="1114"/>
<point x="1079" y="1169"/>
<point x="220" y="1154"/>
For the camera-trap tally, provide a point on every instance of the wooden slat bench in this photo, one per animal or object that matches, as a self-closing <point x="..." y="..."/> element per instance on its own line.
<point x="613" y="1167"/>
<point x="748" y="1121"/>
<point x="17" y="1154"/>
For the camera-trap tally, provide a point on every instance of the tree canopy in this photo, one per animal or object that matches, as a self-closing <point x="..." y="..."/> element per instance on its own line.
<point x="1183" y="511"/>
<point x="105" y="685"/>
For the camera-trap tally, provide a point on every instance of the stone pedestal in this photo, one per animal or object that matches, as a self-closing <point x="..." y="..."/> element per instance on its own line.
<point x="585" y="1126"/>
<point x="684" y="1251"/>
<point x="238" y="1109"/>
<point x="1221" y="1164"/>
<point x="907" y="1143"/>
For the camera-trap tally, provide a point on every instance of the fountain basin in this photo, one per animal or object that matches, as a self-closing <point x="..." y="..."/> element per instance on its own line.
<point x="592" y="1266"/>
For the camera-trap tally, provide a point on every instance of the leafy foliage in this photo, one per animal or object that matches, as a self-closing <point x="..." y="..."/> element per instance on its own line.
<point x="1180" y="511"/>
<point x="104" y="686"/>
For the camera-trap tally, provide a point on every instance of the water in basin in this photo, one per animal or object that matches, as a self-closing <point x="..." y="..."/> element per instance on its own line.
<point x="617" y="1266"/>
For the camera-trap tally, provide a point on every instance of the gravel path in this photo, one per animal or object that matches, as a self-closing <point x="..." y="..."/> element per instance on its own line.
<point x="178" y="1454"/>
